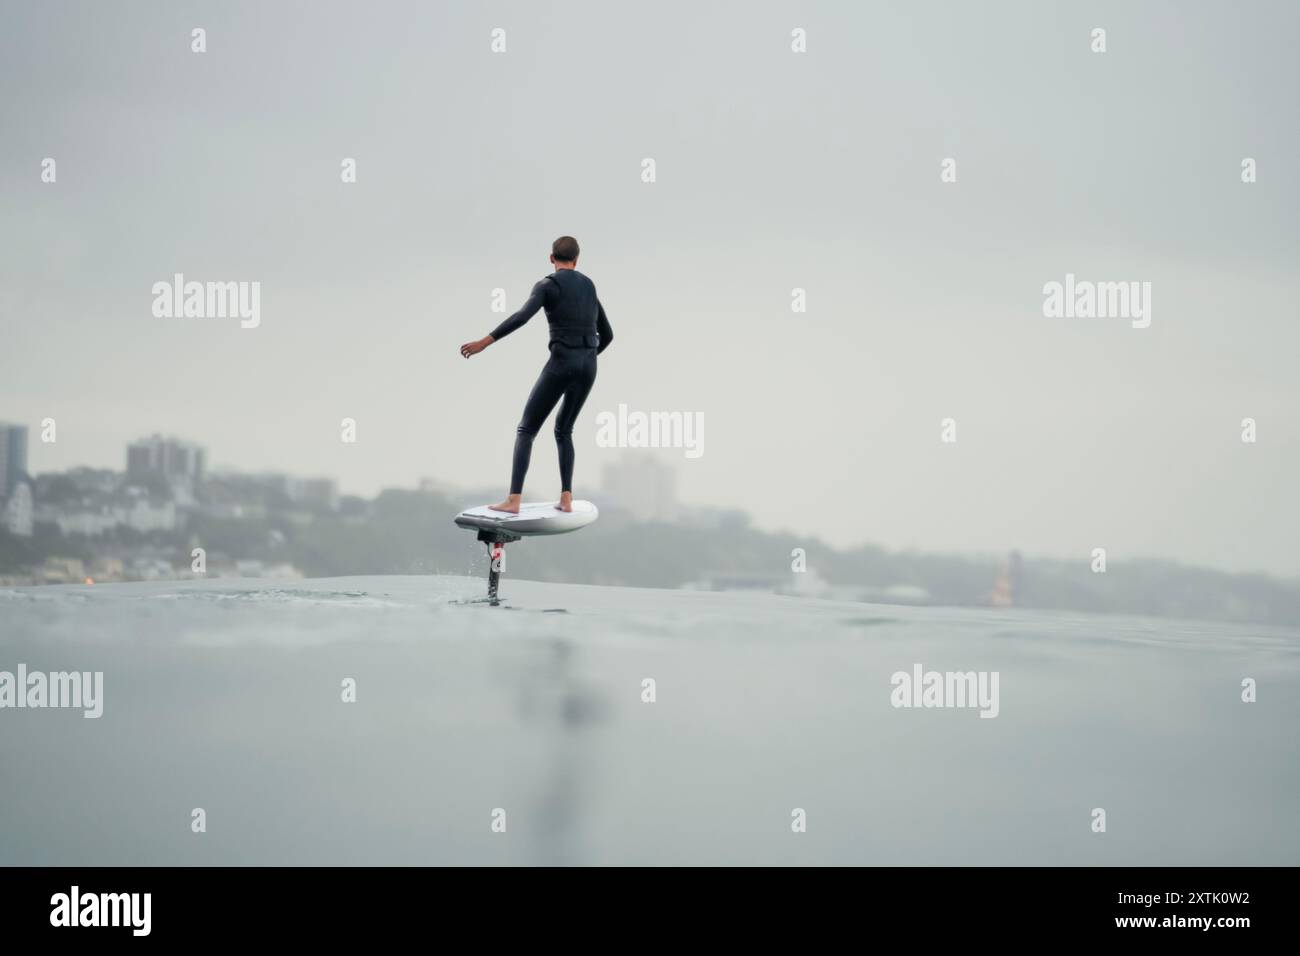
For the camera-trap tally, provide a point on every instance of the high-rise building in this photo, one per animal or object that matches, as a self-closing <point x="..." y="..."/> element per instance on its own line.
<point x="161" y="457"/>
<point x="13" y="457"/>
<point x="643" y="485"/>
<point x="17" y="511"/>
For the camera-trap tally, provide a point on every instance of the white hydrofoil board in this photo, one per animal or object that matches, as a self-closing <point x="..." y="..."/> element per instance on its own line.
<point x="536" y="517"/>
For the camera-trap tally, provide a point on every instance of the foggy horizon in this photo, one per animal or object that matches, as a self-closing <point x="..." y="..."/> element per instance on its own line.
<point x="447" y="485"/>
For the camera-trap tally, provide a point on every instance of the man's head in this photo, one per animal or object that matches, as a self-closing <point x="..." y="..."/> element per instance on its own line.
<point x="564" y="252"/>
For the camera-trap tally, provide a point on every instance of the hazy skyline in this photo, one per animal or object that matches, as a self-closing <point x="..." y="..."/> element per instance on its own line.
<point x="775" y="171"/>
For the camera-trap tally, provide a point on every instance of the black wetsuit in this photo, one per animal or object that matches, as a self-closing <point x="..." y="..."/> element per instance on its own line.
<point x="579" y="332"/>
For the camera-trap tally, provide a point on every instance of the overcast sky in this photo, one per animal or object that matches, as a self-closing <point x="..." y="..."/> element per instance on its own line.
<point x="775" y="170"/>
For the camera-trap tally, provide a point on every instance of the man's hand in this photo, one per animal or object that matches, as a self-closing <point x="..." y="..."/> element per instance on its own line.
<point x="473" y="348"/>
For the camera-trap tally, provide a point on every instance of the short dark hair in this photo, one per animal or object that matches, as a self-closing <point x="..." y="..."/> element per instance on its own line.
<point x="565" y="249"/>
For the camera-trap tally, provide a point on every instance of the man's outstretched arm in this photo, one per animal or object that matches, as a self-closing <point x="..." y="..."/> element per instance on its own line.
<point x="536" y="299"/>
<point x="603" y="329"/>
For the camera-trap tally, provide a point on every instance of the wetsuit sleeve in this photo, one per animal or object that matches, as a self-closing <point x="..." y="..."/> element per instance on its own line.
<point x="603" y="328"/>
<point x="536" y="299"/>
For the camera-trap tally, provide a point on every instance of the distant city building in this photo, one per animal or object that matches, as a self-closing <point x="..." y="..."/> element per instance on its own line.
<point x="145" y="568"/>
<point x="63" y="487"/>
<point x="641" y="484"/>
<point x="107" y="568"/>
<point x="317" y="493"/>
<point x="95" y="514"/>
<point x="13" y="457"/>
<point x="230" y="494"/>
<point x="150" y="516"/>
<point x="169" y="458"/>
<point x="61" y="571"/>
<point x="18" y="510"/>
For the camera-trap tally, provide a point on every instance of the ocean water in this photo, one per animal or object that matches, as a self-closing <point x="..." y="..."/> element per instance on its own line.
<point x="226" y="695"/>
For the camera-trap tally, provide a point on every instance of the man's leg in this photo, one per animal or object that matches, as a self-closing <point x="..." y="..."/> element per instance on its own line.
<point x="540" y="402"/>
<point x="576" y="391"/>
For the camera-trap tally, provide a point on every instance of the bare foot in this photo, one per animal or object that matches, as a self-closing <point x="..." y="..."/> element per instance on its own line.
<point x="566" y="501"/>
<point x="510" y="505"/>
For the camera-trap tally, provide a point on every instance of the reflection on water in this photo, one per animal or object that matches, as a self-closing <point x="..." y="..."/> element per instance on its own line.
<point x="555" y="698"/>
